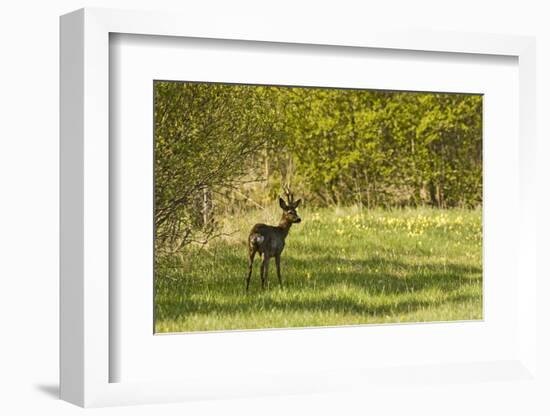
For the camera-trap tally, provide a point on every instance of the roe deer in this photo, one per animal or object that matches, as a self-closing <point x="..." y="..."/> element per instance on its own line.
<point x="269" y="240"/>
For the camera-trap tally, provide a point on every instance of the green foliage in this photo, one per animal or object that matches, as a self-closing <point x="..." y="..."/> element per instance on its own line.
<point x="341" y="266"/>
<point x="223" y="148"/>
<point x="387" y="149"/>
<point x="205" y="136"/>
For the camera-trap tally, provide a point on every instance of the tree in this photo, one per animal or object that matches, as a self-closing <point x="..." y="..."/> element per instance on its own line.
<point x="204" y="135"/>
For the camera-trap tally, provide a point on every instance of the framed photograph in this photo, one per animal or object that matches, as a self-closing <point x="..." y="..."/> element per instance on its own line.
<point x="282" y="213"/>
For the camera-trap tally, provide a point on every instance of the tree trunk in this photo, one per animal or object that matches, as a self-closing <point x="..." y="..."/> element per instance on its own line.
<point x="207" y="206"/>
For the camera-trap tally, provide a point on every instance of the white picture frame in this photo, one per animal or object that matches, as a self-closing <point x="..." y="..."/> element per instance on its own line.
<point x="85" y="214"/>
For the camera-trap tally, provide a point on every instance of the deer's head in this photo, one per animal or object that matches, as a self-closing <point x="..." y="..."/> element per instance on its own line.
<point x="289" y="207"/>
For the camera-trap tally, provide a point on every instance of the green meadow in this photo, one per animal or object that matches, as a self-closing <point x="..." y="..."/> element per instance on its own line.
<point x="340" y="266"/>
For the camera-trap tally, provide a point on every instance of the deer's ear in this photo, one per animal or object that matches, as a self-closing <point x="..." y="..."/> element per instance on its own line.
<point x="297" y="203"/>
<point x="282" y="203"/>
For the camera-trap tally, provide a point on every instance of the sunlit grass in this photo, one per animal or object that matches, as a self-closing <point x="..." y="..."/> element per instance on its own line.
<point x="340" y="266"/>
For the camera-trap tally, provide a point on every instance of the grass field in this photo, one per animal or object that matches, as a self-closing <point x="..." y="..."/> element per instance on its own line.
<point x="340" y="266"/>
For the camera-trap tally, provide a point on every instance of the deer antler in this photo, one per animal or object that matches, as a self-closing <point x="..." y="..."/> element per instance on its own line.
<point x="288" y="193"/>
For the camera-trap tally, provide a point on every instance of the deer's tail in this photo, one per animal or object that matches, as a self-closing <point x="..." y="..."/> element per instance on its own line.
<point x="254" y="242"/>
<point x="256" y="239"/>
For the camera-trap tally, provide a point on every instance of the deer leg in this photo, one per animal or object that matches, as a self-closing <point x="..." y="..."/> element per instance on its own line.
<point x="278" y="264"/>
<point x="250" y="264"/>
<point x="262" y="265"/>
<point x="265" y="265"/>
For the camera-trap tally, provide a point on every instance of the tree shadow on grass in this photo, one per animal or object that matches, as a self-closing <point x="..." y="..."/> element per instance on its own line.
<point x="389" y="276"/>
<point x="373" y="276"/>
<point x="343" y="305"/>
